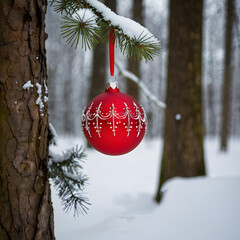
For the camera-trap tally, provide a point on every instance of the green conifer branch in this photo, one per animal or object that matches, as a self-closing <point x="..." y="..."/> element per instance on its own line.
<point x="66" y="6"/>
<point x="65" y="173"/>
<point x="73" y="29"/>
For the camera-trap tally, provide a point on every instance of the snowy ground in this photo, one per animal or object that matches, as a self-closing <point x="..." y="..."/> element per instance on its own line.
<point x="122" y="190"/>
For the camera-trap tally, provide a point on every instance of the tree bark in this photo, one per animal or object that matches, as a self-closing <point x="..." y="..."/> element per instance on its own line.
<point x="226" y="90"/>
<point x="25" y="200"/>
<point x="183" y="130"/>
<point x="134" y="67"/>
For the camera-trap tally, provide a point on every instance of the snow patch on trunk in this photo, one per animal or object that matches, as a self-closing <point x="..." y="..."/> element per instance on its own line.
<point x="39" y="99"/>
<point x="27" y="85"/>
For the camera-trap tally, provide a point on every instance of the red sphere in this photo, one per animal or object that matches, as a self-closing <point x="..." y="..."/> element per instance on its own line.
<point x="113" y="122"/>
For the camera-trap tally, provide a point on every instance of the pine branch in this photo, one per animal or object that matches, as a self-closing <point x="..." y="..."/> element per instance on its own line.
<point x="140" y="48"/>
<point x="77" y="28"/>
<point x="140" y="84"/>
<point x="137" y="46"/>
<point x="65" y="173"/>
<point x="66" y="6"/>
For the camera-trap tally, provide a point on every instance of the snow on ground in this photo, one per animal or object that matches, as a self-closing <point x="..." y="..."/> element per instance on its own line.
<point x="121" y="190"/>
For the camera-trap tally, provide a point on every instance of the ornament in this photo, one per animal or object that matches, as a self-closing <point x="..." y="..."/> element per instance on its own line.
<point x="113" y="122"/>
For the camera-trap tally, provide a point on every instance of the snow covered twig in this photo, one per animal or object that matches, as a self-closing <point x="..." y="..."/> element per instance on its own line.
<point x="140" y="84"/>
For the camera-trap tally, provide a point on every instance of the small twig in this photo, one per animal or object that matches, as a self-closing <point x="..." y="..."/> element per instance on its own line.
<point x="140" y="84"/>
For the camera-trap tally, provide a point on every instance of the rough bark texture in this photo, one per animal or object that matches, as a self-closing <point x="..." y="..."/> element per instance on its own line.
<point x="134" y="67"/>
<point x="226" y="90"/>
<point x="183" y="138"/>
<point x="25" y="200"/>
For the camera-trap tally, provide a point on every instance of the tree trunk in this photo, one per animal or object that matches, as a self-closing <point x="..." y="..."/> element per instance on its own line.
<point x="112" y="4"/>
<point x="183" y="130"/>
<point x="134" y="67"/>
<point x="211" y="110"/>
<point x="98" y="71"/>
<point x="25" y="199"/>
<point x="67" y="93"/>
<point x="226" y="90"/>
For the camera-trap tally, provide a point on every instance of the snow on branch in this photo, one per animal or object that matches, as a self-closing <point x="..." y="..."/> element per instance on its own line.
<point x="140" y="84"/>
<point x="65" y="172"/>
<point x="133" y="39"/>
<point x="127" y="26"/>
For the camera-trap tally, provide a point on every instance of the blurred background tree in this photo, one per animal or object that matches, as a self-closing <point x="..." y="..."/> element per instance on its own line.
<point x="134" y="67"/>
<point x="228" y="73"/>
<point x="183" y="130"/>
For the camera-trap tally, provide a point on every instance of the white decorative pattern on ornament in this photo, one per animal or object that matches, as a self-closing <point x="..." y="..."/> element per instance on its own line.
<point x="113" y="118"/>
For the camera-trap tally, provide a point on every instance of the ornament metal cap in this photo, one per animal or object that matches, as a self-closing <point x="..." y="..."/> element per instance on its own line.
<point x="112" y="86"/>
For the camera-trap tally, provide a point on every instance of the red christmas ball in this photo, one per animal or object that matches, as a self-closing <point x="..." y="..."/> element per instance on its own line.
<point x="114" y="123"/>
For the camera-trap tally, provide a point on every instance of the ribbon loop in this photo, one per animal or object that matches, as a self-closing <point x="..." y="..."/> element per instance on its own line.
<point x="111" y="50"/>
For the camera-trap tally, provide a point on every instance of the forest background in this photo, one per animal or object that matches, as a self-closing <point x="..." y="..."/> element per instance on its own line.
<point x="71" y="72"/>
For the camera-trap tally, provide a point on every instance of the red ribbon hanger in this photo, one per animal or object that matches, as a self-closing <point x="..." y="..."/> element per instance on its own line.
<point x="111" y="50"/>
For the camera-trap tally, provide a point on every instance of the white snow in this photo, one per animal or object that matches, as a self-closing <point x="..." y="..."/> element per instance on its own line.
<point x="128" y="26"/>
<point x="73" y="176"/>
<point x="39" y="99"/>
<point x="45" y="99"/>
<point x="66" y="153"/>
<point x="178" y="116"/>
<point x="39" y="91"/>
<point x="27" y="85"/>
<point x="121" y="190"/>
<point x="57" y="158"/>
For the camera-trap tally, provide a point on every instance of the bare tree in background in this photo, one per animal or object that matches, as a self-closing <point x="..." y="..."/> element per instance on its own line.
<point x="226" y="89"/>
<point x="183" y="130"/>
<point x="134" y="67"/>
<point x="112" y="4"/>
